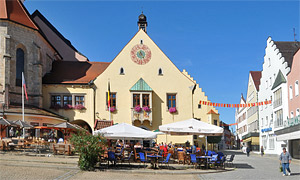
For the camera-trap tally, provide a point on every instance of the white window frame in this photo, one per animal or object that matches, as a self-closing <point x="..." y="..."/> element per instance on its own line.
<point x="292" y="114"/>
<point x="297" y="88"/>
<point x="297" y="112"/>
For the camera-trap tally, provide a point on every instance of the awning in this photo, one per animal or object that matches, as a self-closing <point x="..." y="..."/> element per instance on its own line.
<point x="288" y="136"/>
<point x="254" y="140"/>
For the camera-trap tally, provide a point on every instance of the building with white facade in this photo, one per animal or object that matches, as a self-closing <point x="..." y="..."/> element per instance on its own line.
<point x="251" y="139"/>
<point x="273" y="86"/>
<point x="241" y="119"/>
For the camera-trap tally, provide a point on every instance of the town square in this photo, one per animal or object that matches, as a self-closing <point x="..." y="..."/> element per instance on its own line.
<point x="149" y="89"/>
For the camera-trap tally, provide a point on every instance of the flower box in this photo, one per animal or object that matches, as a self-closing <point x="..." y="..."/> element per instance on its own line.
<point x="172" y="110"/>
<point x="68" y="106"/>
<point x="146" y="109"/>
<point x="138" y="108"/>
<point x="112" y="109"/>
<point x="79" y="107"/>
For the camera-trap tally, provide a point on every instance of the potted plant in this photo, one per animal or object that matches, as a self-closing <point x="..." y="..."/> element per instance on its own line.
<point x="138" y="108"/>
<point x="146" y="109"/>
<point x="79" y="107"/>
<point x="172" y="110"/>
<point x="68" y="106"/>
<point x="112" y="109"/>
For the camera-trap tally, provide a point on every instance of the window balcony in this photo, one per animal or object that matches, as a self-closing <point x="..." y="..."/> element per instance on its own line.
<point x="141" y="116"/>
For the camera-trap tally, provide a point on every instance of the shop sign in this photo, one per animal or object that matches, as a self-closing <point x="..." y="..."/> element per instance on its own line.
<point x="293" y="121"/>
<point x="266" y="129"/>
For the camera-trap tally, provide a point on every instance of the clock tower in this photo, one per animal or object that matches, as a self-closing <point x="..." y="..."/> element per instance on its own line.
<point x="142" y="23"/>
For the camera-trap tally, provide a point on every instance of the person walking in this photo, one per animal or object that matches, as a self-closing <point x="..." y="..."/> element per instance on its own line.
<point x="248" y="151"/>
<point x="285" y="160"/>
<point x="261" y="150"/>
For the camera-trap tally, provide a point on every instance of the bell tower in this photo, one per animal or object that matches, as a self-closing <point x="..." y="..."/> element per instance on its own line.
<point x="142" y="23"/>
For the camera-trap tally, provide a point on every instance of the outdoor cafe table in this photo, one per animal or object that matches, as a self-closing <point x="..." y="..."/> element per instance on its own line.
<point x="154" y="160"/>
<point x="203" y="159"/>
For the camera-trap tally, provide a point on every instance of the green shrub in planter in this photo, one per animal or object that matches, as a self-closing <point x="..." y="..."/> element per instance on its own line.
<point x="89" y="148"/>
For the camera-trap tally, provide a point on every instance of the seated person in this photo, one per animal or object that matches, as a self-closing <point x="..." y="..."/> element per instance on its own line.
<point x="60" y="140"/>
<point x="180" y="148"/>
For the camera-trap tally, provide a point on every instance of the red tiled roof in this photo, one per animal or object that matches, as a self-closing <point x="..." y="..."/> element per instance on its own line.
<point x="256" y="75"/>
<point x="212" y="112"/>
<point x="13" y="10"/>
<point x="100" y="124"/>
<point x="72" y="72"/>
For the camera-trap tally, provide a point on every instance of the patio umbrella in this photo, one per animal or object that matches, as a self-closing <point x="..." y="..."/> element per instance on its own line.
<point x="4" y="123"/>
<point x="23" y="124"/>
<point x="66" y="126"/>
<point x="192" y="127"/>
<point x="126" y="132"/>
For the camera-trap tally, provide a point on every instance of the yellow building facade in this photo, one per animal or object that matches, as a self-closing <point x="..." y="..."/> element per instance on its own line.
<point x="146" y="90"/>
<point x="141" y="72"/>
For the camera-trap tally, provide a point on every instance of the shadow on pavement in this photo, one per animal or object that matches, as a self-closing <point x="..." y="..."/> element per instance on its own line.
<point x="243" y="166"/>
<point x="295" y="174"/>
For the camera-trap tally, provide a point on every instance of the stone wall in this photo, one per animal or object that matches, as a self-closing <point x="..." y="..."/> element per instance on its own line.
<point x="38" y="61"/>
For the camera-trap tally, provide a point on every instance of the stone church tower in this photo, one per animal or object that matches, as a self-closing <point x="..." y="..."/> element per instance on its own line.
<point x="23" y="48"/>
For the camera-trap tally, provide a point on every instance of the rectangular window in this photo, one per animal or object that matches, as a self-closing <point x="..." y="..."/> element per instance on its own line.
<point x="34" y="123"/>
<point x="79" y="100"/>
<point x="136" y="100"/>
<point x="215" y="122"/>
<point x="113" y="99"/>
<point x="267" y="121"/>
<point x="146" y="98"/>
<point x="291" y="92"/>
<point x="277" y="98"/>
<point x="199" y="106"/>
<point x="278" y="118"/>
<point x="171" y="100"/>
<point x="67" y="99"/>
<point x="55" y="100"/>
<point x="296" y="88"/>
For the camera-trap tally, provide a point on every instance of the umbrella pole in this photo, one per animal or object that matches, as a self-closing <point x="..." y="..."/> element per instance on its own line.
<point x="206" y="142"/>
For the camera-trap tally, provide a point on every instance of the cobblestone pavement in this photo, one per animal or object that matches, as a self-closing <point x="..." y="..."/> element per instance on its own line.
<point x="255" y="167"/>
<point x="63" y="168"/>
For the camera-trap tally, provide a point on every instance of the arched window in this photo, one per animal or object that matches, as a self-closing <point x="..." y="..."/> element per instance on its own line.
<point x="19" y="66"/>
<point x="160" y="72"/>
<point x="121" y="70"/>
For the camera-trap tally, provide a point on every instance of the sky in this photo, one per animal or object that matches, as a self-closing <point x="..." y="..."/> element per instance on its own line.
<point x="217" y="42"/>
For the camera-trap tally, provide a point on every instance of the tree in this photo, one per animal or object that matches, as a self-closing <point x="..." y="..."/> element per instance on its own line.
<point x="89" y="147"/>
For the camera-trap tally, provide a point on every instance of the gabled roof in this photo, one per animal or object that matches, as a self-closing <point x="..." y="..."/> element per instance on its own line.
<point x="212" y="112"/>
<point x="74" y="72"/>
<point x="141" y="85"/>
<point x="256" y="75"/>
<point x="14" y="10"/>
<point x="287" y="49"/>
<point x="279" y="80"/>
<point x="38" y="18"/>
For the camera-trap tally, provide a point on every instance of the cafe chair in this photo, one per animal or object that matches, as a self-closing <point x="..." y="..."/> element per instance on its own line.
<point x="166" y="161"/>
<point x="142" y="158"/>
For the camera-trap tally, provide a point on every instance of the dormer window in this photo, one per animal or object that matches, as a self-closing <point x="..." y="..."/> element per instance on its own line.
<point x="122" y="71"/>
<point x="160" y="72"/>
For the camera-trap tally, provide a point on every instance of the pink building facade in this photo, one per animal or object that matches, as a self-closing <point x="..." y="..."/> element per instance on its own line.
<point x="293" y="87"/>
<point x="290" y="134"/>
